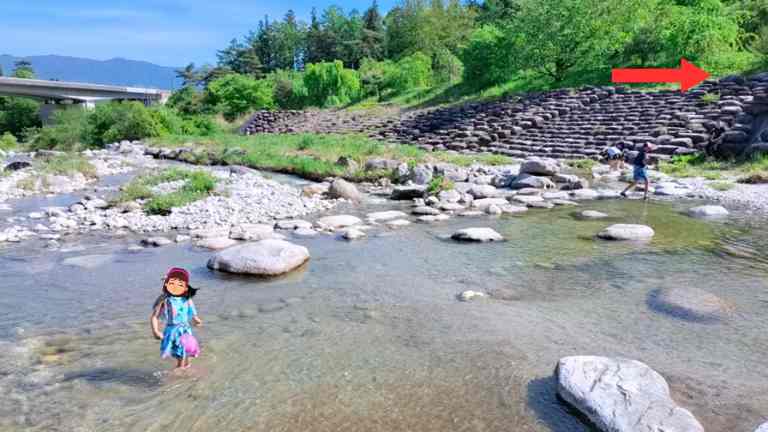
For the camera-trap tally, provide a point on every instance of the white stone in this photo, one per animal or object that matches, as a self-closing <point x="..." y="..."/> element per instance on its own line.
<point x="384" y="216"/>
<point x="337" y="221"/>
<point x="353" y="234"/>
<point x="585" y="194"/>
<point x="252" y="232"/>
<point x="430" y="219"/>
<point x="477" y="235"/>
<point x="481" y="204"/>
<point x="708" y="211"/>
<point x="216" y="243"/>
<point x="592" y="214"/>
<point x="397" y="223"/>
<point x="470" y="295"/>
<point x="263" y="258"/>
<point x="620" y="395"/>
<point x="292" y="224"/>
<point x="627" y="232"/>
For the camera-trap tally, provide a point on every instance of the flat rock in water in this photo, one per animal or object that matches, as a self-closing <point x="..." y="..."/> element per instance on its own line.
<point x="156" y="241"/>
<point x="448" y="206"/>
<point x="430" y="219"/>
<point x="470" y="295"/>
<point x="591" y="214"/>
<point x="87" y="261"/>
<point x="408" y="192"/>
<point x="472" y="213"/>
<point x="620" y="395"/>
<point x="263" y="258"/>
<point x="353" y="234"/>
<point x="585" y="194"/>
<point x="209" y="233"/>
<point x="304" y="232"/>
<point x="252" y="232"/>
<point x="708" y="211"/>
<point x="627" y="232"/>
<point x="425" y="210"/>
<point x="292" y="224"/>
<point x="564" y="202"/>
<point x="338" y="221"/>
<point x="482" y="204"/>
<point x="398" y="223"/>
<point x="384" y="216"/>
<point x="216" y="243"/>
<point x="513" y="209"/>
<point x="527" y="199"/>
<point x="477" y="235"/>
<point x="690" y="304"/>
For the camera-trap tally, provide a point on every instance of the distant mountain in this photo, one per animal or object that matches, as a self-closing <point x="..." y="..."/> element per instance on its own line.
<point x="116" y="71"/>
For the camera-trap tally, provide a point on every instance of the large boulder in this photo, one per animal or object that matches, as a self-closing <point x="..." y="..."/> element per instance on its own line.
<point x="690" y="304"/>
<point x="540" y="166"/>
<point x="627" y="232"/>
<point x="477" y="235"/>
<point x="263" y="258"/>
<point x="341" y="188"/>
<point x="708" y="211"/>
<point x="409" y="192"/>
<point x="421" y="174"/>
<point x="620" y="395"/>
<point x="483" y="191"/>
<point x="337" y="221"/>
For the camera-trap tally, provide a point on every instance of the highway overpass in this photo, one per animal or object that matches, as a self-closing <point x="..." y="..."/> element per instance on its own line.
<point x="62" y="94"/>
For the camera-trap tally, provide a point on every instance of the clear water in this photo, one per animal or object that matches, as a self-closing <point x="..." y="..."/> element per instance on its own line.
<point x="369" y="336"/>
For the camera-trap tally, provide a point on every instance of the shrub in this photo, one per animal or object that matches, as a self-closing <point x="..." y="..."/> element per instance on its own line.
<point x="67" y="131"/>
<point x="446" y="67"/>
<point x="113" y="122"/>
<point x="330" y="84"/>
<point x="189" y="101"/>
<point x="374" y="75"/>
<point x="411" y="72"/>
<point x="67" y="164"/>
<point x="289" y="91"/>
<point x="486" y="62"/>
<point x="236" y="94"/>
<point x="18" y="114"/>
<point x="8" y="142"/>
<point x="439" y="184"/>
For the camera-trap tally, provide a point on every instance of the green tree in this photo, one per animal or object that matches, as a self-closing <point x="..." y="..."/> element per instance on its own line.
<point x="23" y="69"/>
<point x="330" y="84"/>
<point x="237" y="94"/>
<point x="372" y="37"/>
<point x="556" y="37"/>
<point x="498" y="12"/>
<point x="189" y="76"/>
<point x="18" y="114"/>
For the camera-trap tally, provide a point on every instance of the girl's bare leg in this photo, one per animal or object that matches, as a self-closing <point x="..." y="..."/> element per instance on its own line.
<point x="179" y="363"/>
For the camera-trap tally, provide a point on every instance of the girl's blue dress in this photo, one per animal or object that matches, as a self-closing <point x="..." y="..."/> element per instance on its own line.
<point x="177" y="312"/>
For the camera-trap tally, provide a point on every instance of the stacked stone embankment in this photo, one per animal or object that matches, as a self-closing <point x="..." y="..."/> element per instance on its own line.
<point x="721" y="117"/>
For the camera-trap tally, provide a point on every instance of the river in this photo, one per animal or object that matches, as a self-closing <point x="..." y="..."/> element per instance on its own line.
<point x="369" y="335"/>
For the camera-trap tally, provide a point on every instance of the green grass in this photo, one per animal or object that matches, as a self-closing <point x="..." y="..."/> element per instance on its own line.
<point x="710" y="98"/>
<point x="314" y="156"/>
<point x="749" y="171"/>
<point x="199" y="184"/>
<point x="439" y="184"/>
<point x="66" y="165"/>
<point x="582" y="164"/>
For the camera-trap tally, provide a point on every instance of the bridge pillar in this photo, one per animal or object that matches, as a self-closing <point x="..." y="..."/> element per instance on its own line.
<point x="49" y="108"/>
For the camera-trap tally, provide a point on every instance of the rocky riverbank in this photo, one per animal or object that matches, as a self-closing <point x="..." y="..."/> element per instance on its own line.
<point x="244" y="197"/>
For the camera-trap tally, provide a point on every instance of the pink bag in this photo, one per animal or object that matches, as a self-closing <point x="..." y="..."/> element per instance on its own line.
<point x="191" y="347"/>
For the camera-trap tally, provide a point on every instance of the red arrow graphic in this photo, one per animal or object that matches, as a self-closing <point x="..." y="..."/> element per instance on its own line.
<point x="688" y="75"/>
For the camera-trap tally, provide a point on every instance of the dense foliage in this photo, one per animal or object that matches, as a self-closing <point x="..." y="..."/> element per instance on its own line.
<point x="340" y="56"/>
<point x="112" y="122"/>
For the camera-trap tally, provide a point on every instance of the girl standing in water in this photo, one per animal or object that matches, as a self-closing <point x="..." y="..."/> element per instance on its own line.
<point x="175" y="306"/>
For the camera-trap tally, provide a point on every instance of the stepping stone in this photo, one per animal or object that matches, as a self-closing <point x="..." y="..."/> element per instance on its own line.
<point x="627" y="232"/>
<point x="708" y="211"/>
<point x="477" y="235"/>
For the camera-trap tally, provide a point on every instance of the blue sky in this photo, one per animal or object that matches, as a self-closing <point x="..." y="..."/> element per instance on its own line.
<point x="166" y="32"/>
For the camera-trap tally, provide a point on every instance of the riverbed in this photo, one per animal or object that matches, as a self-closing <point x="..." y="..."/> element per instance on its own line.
<point x="369" y="336"/>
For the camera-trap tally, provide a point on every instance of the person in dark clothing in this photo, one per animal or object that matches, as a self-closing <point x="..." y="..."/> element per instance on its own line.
<point x="640" y="170"/>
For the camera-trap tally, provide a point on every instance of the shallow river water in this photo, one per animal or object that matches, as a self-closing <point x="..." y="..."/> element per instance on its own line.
<point x="369" y="335"/>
